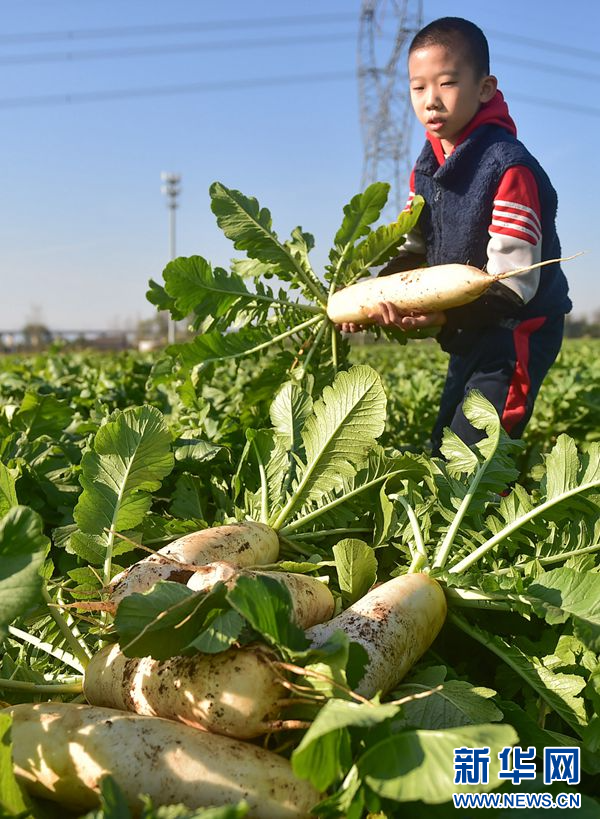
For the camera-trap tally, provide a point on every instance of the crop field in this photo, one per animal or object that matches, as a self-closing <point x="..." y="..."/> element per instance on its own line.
<point x="365" y="630"/>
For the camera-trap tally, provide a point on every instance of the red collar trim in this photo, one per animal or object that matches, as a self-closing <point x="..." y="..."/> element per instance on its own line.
<point x="494" y="112"/>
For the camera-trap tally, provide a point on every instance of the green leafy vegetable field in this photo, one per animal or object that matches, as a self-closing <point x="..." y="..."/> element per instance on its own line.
<point x="267" y="414"/>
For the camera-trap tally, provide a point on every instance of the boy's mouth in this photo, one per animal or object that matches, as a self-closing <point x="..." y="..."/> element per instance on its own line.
<point x="435" y="123"/>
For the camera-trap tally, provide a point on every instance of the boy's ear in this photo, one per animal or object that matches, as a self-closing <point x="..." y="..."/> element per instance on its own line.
<point x="489" y="86"/>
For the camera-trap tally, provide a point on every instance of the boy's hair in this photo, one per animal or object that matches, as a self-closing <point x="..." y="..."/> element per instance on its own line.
<point x="447" y="31"/>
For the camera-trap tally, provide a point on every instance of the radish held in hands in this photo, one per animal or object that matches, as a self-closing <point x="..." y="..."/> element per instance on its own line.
<point x="421" y="291"/>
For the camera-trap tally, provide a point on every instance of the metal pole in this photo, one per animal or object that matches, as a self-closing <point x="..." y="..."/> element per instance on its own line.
<point x="172" y="252"/>
<point x="172" y="190"/>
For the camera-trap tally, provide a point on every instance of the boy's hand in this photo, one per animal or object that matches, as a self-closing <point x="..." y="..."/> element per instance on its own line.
<point x="387" y="315"/>
<point x="350" y="327"/>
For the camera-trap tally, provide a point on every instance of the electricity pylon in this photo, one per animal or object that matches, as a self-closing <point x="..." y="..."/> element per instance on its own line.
<point x="386" y="29"/>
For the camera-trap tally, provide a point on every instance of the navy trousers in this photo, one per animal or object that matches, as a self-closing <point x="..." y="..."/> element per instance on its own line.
<point x="507" y="364"/>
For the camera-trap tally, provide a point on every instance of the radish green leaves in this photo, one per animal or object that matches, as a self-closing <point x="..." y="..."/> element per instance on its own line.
<point x="234" y="320"/>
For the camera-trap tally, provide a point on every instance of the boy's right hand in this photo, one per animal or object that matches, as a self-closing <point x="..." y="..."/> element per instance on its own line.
<point x="350" y="327"/>
<point x="386" y="314"/>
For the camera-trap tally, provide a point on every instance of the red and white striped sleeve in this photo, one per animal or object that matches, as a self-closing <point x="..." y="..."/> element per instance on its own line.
<point x="516" y="230"/>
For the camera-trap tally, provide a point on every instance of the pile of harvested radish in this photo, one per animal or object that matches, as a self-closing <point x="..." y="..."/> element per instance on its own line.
<point x="178" y="729"/>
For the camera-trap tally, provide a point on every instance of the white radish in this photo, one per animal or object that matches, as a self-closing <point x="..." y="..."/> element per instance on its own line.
<point x="421" y="291"/>
<point x="312" y="601"/>
<point x="61" y="751"/>
<point x="395" y="622"/>
<point x="235" y="693"/>
<point x="205" y="577"/>
<point x="243" y="544"/>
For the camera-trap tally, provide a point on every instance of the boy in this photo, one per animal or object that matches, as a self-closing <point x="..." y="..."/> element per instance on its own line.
<point x="488" y="203"/>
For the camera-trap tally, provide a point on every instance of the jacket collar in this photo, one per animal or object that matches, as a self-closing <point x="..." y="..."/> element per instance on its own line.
<point x="494" y="112"/>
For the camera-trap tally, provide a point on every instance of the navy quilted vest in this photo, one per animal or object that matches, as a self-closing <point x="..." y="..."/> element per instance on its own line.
<point x="459" y="198"/>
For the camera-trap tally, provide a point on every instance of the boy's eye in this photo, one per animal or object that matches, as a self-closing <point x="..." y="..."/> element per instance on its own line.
<point x="417" y="88"/>
<point x="448" y="82"/>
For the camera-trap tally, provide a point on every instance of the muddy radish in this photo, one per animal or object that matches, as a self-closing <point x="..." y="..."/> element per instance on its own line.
<point x="421" y="291"/>
<point x="311" y="599"/>
<point x="235" y="693"/>
<point x="61" y="751"/>
<point x="243" y="544"/>
<point x="395" y="622"/>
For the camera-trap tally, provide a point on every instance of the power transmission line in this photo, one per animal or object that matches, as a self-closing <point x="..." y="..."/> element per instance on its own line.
<point x="556" y="48"/>
<point x="167" y="90"/>
<point x="261" y="22"/>
<point x="9" y="103"/>
<point x="557" y="106"/>
<point x="173" y="48"/>
<point x="180" y="48"/>
<point x="171" y="28"/>
<point x="222" y="45"/>
<point x="552" y="69"/>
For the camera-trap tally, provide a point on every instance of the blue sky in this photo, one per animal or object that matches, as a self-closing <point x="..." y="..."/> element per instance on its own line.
<point x="84" y="224"/>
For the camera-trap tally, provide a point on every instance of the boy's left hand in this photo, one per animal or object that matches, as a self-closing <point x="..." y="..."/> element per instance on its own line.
<point x="387" y="315"/>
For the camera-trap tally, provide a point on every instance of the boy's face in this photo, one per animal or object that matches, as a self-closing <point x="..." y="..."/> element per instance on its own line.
<point x="445" y="91"/>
